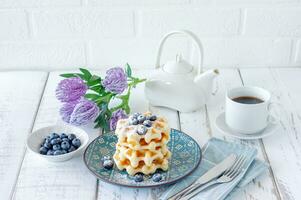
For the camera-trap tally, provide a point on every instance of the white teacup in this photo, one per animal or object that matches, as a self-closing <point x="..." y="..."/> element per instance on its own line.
<point x="248" y="109"/>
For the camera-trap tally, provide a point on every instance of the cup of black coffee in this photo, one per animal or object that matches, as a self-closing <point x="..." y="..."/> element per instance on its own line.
<point x="248" y="109"/>
<point x="247" y="100"/>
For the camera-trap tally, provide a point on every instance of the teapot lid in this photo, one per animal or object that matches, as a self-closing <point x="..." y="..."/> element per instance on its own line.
<point x="179" y="66"/>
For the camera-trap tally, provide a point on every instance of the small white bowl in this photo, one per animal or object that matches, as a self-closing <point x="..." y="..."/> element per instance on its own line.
<point x="36" y="138"/>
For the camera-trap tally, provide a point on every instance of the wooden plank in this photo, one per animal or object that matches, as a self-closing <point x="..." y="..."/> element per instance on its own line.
<point x="40" y="179"/>
<point x="19" y="100"/>
<point x="201" y="126"/>
<point x="283" y="149"/>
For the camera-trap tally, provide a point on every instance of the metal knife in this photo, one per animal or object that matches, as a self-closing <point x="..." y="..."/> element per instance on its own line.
<point x="212" y="173"/>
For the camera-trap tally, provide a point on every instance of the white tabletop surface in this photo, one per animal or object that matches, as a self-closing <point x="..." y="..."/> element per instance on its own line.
<point x="27" y="102"/>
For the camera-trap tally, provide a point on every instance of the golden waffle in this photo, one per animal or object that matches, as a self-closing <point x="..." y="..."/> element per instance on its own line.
<point x="128" y="133"/>
<point x="141" y="168"/>
<point x="142" y="144"/>
<point x="136" y="156"/>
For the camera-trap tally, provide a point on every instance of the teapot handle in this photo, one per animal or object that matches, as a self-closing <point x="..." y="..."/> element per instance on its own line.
<point x="187" y="33"/>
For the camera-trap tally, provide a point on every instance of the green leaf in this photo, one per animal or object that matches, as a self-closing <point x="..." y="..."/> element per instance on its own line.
<point x="69" y="75"/>
<point x="97" y="125"/>
<point x="96" y="88"/>
<point x="128" y="70"/>
<point x="94" y="80"/>
<point x="81" y="76"/>
<point x="92" y="96"/>
<point x="86" y="73"/>
<point x="127" y="108"/>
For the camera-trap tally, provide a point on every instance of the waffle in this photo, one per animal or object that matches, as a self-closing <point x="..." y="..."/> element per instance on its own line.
<point x="128" y="133"/>
<point x="142" y="153"/>
<point x="141" y="168"/>
<point x="142" y="144"/>
<point x="136" y="156"/>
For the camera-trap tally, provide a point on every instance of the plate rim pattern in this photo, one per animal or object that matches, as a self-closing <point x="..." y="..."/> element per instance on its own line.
<point x="156" y="184"/>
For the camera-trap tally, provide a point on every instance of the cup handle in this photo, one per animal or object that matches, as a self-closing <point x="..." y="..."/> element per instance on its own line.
<point x="274" y="118"/>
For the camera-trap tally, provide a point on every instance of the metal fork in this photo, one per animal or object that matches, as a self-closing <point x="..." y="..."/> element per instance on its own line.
<point x="227" y="176"/>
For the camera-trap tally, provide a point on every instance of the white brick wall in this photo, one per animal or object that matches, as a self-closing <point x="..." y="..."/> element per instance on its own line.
<point x="65" y="34"/>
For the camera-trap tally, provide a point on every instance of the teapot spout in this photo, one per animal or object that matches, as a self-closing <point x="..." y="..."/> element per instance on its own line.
<point x="205" y="81"/>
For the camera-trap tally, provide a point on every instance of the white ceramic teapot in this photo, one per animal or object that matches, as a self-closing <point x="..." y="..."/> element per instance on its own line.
<point x="177" y="84"/>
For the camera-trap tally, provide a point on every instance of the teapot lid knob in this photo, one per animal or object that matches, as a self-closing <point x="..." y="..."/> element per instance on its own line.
<point x="179" y="58"/>
<point x="179" y="66"/>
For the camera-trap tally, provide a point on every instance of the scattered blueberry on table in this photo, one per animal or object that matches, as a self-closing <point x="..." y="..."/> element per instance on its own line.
<point x="58" y="144"/>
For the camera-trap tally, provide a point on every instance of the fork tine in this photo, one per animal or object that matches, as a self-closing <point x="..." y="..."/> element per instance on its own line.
<point x="238" y="163"/>
<point x="239" y="169"/>
<point x="230" y="170"/>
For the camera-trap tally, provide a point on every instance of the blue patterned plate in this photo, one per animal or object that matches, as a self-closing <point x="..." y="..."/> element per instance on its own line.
<point x="186" y="156"/>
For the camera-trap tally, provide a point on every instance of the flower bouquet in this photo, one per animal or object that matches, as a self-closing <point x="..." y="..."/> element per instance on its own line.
<point x="86" y="97"/>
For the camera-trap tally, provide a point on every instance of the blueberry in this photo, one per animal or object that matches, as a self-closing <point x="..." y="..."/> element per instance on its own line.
<point x="54" y="135"/>
<point x="157" y="177"/>
<point x="57" y="152"/>
<point x="47" y="145"/>
<point x="63" y="135"/>
<point x="108" y="164"/>
<point x="47" y="140"/>
<point x="76" y="142"/>
<point x="72" y="148"/>
<point x="50" y="152"/>
<point x="141" y="130"/>
<point x="141" y="118"/>
<point x="147" y="123"/>
<point x="66" y="140"/>
<point x="56" y="147"/>
<point x="65" y="145"/>
<point x="136" y="115"/>
<point x="106" y="158"/>
<point x="55" y="141"/>
<point x="153" y="118"/>
<point x="71" y="136"/>
<point x="138" y="177"/>
<point x="133" y="121"/>
<point x="64" y="151"/>
<point x="43" y="150"/>
<point x="132" y="117"/>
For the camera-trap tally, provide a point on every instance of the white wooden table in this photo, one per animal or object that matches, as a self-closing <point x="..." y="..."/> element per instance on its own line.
<point x="27" y="102"/>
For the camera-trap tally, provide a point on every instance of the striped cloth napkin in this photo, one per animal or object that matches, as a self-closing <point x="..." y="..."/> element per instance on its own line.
<point x="213" y="153"/>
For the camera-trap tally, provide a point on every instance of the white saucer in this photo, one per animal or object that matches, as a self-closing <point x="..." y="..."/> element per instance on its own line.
<point x="224" y="128"/>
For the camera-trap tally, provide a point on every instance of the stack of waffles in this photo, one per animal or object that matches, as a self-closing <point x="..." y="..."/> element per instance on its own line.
<point x="142" y="153"/>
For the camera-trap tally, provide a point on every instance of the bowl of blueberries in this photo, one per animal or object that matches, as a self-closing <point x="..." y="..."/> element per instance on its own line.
<point x="58" y="143"/>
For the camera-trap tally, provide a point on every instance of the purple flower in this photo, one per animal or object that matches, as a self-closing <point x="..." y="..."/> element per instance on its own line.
<point x="70" y="89"/>
<point x="66" y="110"/>
<point x="115" y="80"/>
<point x="117" y="115"/>
<point x="84" y="112"/>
